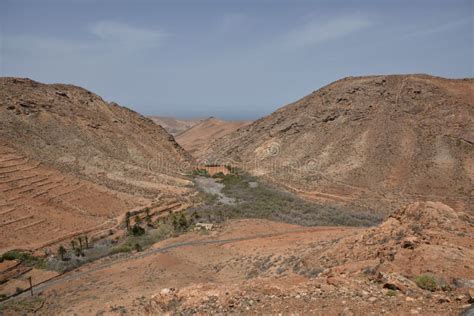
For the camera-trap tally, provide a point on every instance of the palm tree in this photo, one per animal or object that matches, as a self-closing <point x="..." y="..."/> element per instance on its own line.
<point x="80" y="242"/>
<point x="138" y="220"/>
<point x="127" y="220"/>
<point x="61" y="252"/>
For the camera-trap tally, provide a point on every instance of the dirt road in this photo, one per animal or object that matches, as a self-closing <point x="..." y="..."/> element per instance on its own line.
<point x="74" y="275"/>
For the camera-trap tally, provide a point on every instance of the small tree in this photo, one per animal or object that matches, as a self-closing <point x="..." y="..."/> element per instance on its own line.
<point x="87" y="241"/>
<point x="138" y="247"/>
<point x="138" y="220"/>
<point x="73" y="244"/>
<point x="61" y="252"/>
<point x="182" y="222"/>
<point x="127" y="220"/>
<point x="174" y="221"/>
<point x="148" y="217"/>
<point x="80" y="242"/>
<point x="78" y="252"/>
<point x="137" y="230"/>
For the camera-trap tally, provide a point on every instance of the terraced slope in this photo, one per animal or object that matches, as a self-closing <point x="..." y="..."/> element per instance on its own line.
<point x="375" y="142"/>
<point x="76" y="131"/>
<point x="69" y="162"/>
<point x="39" y="204"/>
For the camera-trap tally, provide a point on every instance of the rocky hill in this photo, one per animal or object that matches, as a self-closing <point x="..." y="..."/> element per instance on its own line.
<point x="70" y="161"/>
<point x="198" y="137"/>
<point x="419" y="261"/>
<point x="374" y="142"/>
<point x="173" y="125"/>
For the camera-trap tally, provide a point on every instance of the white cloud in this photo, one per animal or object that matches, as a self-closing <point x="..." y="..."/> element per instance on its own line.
<point x="126" y="34"/>
<point x="316" y="32"/>
<point x="50" y="59"/>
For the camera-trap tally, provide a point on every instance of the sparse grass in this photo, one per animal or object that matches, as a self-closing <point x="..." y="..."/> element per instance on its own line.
<point x="144" y="241"/>
<point x="416" y="229"/>
<point x="267" y="202"/>
<point x="172" y="226"/>
<point x="391" y="293"/>
<point x="25" y="257"/>
<point x="426" y="282"/>
<point x="200" y="172"/>
<point x="22" y="307"/>
<point x="120" y="249"/>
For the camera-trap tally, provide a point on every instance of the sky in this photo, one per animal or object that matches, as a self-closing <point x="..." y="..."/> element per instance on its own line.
<point x="229" y="59"/>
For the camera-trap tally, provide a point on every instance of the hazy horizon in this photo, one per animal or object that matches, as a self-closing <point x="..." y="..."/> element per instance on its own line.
<point x="229" y="59"/>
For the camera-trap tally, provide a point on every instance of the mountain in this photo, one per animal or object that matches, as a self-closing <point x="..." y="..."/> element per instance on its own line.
<point x="173" y="125"/>
<point x="70" y="161"/>
<point x="375" y="142"/>
<point x="198" y="137"/>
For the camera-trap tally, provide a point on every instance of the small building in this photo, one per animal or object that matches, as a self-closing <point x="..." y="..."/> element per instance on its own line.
<point x="205" y="226"/>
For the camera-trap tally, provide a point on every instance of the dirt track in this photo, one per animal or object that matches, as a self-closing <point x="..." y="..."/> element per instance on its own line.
<point x="75" y="275"/>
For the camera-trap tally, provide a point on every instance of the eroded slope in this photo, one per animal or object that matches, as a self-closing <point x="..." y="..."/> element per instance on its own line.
<point x="70" y="161"/>
<point x="378" y="142"/>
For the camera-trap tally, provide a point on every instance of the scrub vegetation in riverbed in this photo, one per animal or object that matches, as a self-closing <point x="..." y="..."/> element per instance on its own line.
<point x="254" y="199"/>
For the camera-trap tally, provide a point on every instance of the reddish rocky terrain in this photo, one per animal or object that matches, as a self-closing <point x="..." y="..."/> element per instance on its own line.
<point x="383" y="270"/>
<point x="198" y="137"/>
<point x="71" y="162"/>
<point x="374" y="142"/>
<point x="258" y="266"/>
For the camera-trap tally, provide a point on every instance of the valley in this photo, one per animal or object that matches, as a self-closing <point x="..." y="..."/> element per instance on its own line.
<point x="356" y="199"/>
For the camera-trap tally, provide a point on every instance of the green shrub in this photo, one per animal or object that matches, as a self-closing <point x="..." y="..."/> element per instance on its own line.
<point x="120" y="249"/>
<point x="138" y="247"/>
<point x="137" y="230"/>
<point x="200" y="172"/>
<point x="23" y="256"/>
<point x="183" y="223"/>
<point x="426" y="282"/>
<point x="143" y="241"/>
<point x="391" y="293"/>
<point x="62" y="252"/>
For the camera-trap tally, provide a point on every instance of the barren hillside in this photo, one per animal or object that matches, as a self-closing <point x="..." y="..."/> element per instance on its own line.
<point x="173" y="125"/>
<point x="69" y="161"/>
<point x="198" y="137"/>
<point x="264" y="267"/>
<point x="376" y="142"/>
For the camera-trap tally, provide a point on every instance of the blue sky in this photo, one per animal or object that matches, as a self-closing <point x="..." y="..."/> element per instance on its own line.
<point x="230" y="59"/>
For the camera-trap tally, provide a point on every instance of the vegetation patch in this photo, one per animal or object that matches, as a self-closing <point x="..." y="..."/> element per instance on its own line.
<point x="426" y="282"/>
<point x="143" y="241"/>
<point x="24" y="257"/>
<point x="200" y="172"/>
<point x="255" y="199"/>
<point x="391" y="293"/>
